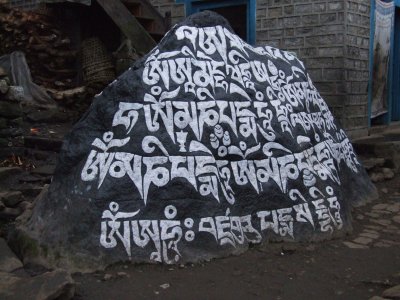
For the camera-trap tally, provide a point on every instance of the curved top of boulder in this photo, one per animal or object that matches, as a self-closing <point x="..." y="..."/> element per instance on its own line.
<point x="206" y="18"/>
<point x="204" y="146"/>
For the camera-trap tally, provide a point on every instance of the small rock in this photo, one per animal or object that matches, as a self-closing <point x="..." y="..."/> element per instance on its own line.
<point x="377" y="298"/>
<point x="370" y="235"/>
<point x="394" y="208"/>
<point x="57" y="284"/>
<point x="289" y="248"/>
<point x="34" y="178"/>
<point x="8" y="260"/>
<point x="42" y="115"/>
<point x="377" y="177"/>
<point x="3" y="86"/>
<point x="30" y="190"/>
<point x="17" y="122"/>
<point x="46" y="170"/>
<point x="371" y="231"/>
<point x="3" y="123"/>
<point x="380" y="206"/>
<point x="15" y="93"/>
<point x="165" y="286"/>
<point x="381" y="245"/>
<point x="391" y="231"/>
<point x="122" y="274"/>
<point x="310" y="248"/>
<point x="24" y="205"/>
<point x="392" y="227"/>
<point x="372" y="215"/>
<point x="11" y="132"/>
<point x="382" y="222"/>
<point x="389" y="242"/>
<point x="11" y="199"/>
<point x="355" y="246"/>
<point x="388" y="173"/>
<point x="6" y="172"/>
<point x="3" y="72"/>
<point x="9" y="213"/>
<point x="363" y="240"/>
<point x="360" y="217"/>
<point x="373" y="227"/>
<point x="392" y="293"/>
<point x="396" y="219"/>
<point x="395" y="198"/>
<point x="339" y="292"/>
<point x="373" y="162"/>
<point x="385" y="190"/>
<point x="108" y="277"/>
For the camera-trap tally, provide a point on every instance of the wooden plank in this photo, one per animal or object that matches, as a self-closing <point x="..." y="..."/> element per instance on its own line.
<point x="148" y="10"/>
<point x="129" y="25"/>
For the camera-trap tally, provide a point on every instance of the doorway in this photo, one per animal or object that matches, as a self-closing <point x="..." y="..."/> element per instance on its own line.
<point x="396" y="69"/>
<point x="241" y="14"/>
<point x="236" y="16"/>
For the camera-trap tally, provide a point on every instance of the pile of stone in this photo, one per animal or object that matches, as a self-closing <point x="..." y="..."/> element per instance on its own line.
<point x="380" y="169"/>
<point x="12" y="204"/>
<point x="48" y="50"/>
<point x="11" y="121"/>
<point x="17" y="282"/>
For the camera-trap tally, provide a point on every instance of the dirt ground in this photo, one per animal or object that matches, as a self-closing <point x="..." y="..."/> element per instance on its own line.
<point x="359" y="266"/>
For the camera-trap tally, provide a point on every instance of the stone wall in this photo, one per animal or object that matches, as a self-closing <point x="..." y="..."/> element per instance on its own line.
<point x="357" y="21"/>
<point x="332" y="38"/>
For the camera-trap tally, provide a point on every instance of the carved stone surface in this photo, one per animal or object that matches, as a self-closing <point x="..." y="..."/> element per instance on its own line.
<point x="204" y="146"/>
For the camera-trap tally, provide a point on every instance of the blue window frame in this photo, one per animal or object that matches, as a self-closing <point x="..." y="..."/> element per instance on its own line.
<point x="193" y="6"/>
<point x="393" y="113"/>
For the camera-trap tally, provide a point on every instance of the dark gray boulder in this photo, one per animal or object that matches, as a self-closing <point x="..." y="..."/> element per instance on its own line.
<point x="203" y="147"/>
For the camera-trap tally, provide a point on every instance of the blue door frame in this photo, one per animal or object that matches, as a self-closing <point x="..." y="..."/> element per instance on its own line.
<point x="393" y="80"/>
<point x="396" y="67"/>
<point x="193" y="6"/>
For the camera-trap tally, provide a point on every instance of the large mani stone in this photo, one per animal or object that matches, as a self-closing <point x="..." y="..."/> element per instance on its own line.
<point x="204" y="146"/>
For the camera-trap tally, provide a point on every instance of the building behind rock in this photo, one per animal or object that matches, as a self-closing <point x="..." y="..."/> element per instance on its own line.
<point x="331" y="37"/>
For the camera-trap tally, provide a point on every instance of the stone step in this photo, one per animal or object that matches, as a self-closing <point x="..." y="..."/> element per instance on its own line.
<point x="390" y="151"/>
<point x="8" y="260"/>
<point x="371" y="162"/>
<point x="57" y="284"/>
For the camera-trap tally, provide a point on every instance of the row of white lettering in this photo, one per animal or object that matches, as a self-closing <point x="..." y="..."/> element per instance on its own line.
<point x="206" y="174"/>
<point x="165" y="235"/>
